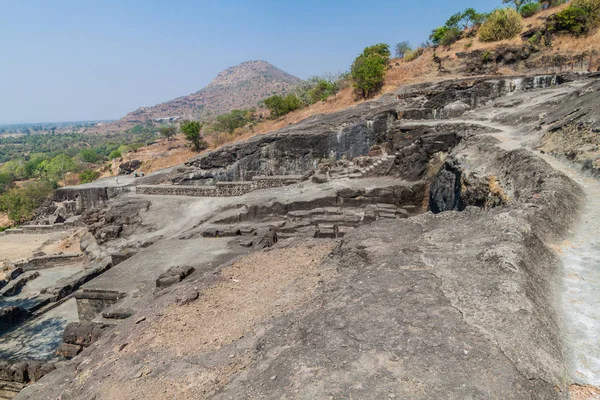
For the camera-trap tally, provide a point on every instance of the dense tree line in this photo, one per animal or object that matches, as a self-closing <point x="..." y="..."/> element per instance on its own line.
<point x="31" y="166"/>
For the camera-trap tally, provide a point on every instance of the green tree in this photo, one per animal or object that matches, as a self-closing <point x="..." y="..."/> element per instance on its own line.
<point x="402" y="48"/>
<point x="380" y="49"/>
<point x="452" y="29"/>
<point x="192" y="129"/>
<point x="6" y="182"/>
<point x="471" y="18"/>
<point x="114" y="154"/>
<point x="529" y="9"/>
<point x="56" y="169"/>
<point x="20" y="203"/>
<point x="90" y="156"/>
<point x="368" y="73"/>
<point x="516" y="3"/>
<point x="231" y="121"/>
<point x="279" y="106"/>
<point x="168" y="131"/>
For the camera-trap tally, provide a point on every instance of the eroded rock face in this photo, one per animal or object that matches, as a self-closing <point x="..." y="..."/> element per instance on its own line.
<point x="455" y="188"/>
<point x="353" y="132"/>
<point x="119" y="219"/>
<point x="129" y="167"/>
<point x="24" y="371"/>
<point x="83" y="333"/>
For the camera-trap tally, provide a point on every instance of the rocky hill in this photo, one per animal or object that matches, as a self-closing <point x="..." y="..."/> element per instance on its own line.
<point x="239" y="87"/>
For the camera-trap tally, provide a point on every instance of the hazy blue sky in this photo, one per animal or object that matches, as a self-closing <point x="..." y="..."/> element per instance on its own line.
<point x="66" y="60"/>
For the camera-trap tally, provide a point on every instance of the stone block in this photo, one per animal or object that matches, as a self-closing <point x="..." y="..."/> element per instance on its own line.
<point x="68" y="350"/>
<point x="172" y="276"/>
<point x="83" y="333"/>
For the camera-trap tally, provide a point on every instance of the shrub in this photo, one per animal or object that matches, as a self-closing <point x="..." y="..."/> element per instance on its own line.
<point x="231" y="121"/>
<point x="529" y="9"/>
<point x="88" y="175"/>
<point x="321" y="90"/>
<point x="279" y="105"/>
<point x="445" y="35"/>
<point x="20" y="203"/>
<point x="502" y="24"/>
<point x="486" y="57"/>
<point x="536" y="38"/>
<point x="579" y="18"/>
<point x="413" y="55"/>
<point x="114" y="154"/>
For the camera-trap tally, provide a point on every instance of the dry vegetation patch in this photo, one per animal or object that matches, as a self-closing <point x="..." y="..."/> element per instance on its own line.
<point x="252" y="290"/>
<point x="256" y="287"/>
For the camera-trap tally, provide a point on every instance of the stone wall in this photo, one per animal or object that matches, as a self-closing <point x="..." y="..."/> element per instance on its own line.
<point x="221" y="189"/>
<point x="40" y="229"/>
<point x="87" y="197"/>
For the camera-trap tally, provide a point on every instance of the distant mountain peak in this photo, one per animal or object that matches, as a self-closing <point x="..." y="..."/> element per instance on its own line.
<point x="248" y="70"/>
<point x="239" y="87"/>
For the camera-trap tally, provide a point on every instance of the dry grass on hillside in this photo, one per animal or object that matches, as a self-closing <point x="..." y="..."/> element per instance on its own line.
<point x="561" y="44"/>
<point x="165" y="154"/>
<point x="422" y="69"/>
<point x="162" y="154"/>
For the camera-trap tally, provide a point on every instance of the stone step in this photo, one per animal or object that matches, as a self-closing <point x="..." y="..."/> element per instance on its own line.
<point x="286" y="235"/>
<point x="387" y="215"/>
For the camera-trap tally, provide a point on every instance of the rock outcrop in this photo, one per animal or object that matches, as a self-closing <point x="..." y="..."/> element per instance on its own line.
<point x="347" y="287"/>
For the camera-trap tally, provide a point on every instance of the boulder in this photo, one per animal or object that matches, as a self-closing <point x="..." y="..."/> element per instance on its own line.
<point x="68" y="350"/>
<point x="267" y="238"/>
<point x="319" y="178"/>
<point x="172" y="276"/>
<point x="24" y="371"/>
<point x="83" y="333"/>
<point x="129" y="167"/>
<point x="456" y="109"/>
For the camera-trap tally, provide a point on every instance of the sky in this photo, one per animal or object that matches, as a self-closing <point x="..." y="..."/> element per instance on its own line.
<point x="76" y="60"/>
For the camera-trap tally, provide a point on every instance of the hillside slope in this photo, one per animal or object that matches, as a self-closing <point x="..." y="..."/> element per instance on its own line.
<point x="239" y="87"/>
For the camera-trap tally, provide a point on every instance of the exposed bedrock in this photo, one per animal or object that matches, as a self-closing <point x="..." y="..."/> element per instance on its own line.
<point x="296" y="149"/>
<point x="452" y="305"/>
